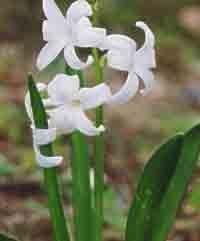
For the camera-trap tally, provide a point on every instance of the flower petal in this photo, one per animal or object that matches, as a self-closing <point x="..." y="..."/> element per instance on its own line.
<point x="46" y="161"/>
<point x="63" y="88"/>
<point x="49" y="52"/>
<point x="52" y="12"/>
<point x="73" y="60"/>
<point x="87" y="36"/>
<point x="48" y="32"/>
<point x="118" y="60"/>
<point x="61" y="118"/>
<point x="145" y="56"/>
<point x="148" y="78"/>
<point x="119" y="42"/>
<point x="44" y="136"/>
<point x="121" y="51"/>
<point x="93" y="97"/>
<point x="84" y="125"/>
<point x="128" y="90"/>
<point x="77" y="10"/>
<point x="145" y="59"/>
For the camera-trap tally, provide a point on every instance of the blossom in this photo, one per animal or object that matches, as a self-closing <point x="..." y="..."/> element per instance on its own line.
<point x="67" y="32"/>
<point x="122" y="55"/>
<point x="42" y="136"/>
<point x="69" y="103"/>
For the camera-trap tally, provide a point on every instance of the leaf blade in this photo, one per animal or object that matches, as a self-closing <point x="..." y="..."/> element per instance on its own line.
<point x="178" y="184"/>
<point x="149" y="195"/>
<point x="4" y="237"/>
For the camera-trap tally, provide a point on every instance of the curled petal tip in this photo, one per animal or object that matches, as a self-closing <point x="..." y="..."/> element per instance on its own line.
<point x="90" y="60"/>
<point x="140" y="24"/>
<point x="150" y="39"/>
<point x="101" y="128"/>
<point x="59" y="161"/>
<point x="41" y="86"/>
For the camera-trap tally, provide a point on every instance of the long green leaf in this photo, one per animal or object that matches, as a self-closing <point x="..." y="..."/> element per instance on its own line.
<point x="50" y="175"/>
<point x="166" y="214"/>
<point x="153" y="183"/>
<point x="4" y="237"/>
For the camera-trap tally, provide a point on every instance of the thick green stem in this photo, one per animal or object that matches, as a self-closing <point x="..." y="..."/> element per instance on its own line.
<point x="81" y="189"/>
<point x="50" y="175"/>
<point x="99" y="151"/>
<point x="99" y="162"/>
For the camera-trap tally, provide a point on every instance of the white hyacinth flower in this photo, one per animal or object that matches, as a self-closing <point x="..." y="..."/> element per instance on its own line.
<point x="122" y="55"/>
<point x="67" y="32"/>
<point x="42" y="136"/>
<point x="70" y="102"/>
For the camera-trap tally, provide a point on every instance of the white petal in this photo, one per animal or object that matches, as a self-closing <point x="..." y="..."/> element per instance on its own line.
<point x="54" y="32"/>
<point x="119" y="42"/>
<point x="61" y="118"/>
<point x="49" y="52"/>
<point x="121" y="51"/>
<point x="84" y="22"/>
<point x="87" y="36"/>
<point x="145" y="56"/>
<point x="148" y="78"/>
<point x="145" y="59"/>
<point x="44" y="136"/>
<point x="77" y="10"/>
<point x="63" y="88"/>
<point x="93" y="97"/>
<point x="84" y="125"/>
<point x="45" y="161"/>
<point x="41" y="86"/>
<point x="73" y="60"/>
<point x="50" y="31"/>
<point x="52" y="12"/>
<point x="118" y="60"/>
<point x="128" y="90"/>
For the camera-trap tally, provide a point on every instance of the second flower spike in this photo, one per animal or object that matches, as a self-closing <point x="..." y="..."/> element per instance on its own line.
<point x="67" y="32"/>
<point x="68" y="103"/>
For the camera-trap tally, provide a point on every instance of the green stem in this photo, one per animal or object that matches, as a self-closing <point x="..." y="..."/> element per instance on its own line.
<point x="81" y="187"/>
<point x="50" y="175"/>
<point x="81" y="179"/>
<point x="99" y="151"/>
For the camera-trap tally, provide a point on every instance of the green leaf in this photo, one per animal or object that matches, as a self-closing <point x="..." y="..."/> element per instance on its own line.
<point x="50" y="175"/>
<point x="162" y="187"/>
<point x="4" y="237"/>
<point x="152" y="185"/>
<point x="172" y="198"/>
<point x="193" y="200"/>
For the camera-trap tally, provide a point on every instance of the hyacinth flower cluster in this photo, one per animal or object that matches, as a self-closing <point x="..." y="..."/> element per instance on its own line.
<point x="66" y="101"/>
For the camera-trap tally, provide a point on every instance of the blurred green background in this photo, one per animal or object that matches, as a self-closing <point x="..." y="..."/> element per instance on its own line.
<point x="134" y="130"/>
